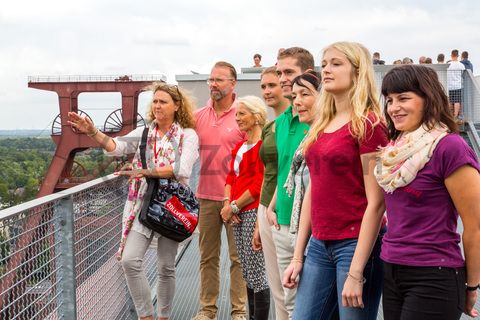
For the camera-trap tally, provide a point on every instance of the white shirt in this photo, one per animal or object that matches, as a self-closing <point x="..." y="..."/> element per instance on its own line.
<point x="454" y="75"/>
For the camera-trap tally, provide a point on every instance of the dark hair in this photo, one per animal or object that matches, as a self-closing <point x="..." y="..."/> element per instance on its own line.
<point x="454" y="53"/>
<point x="304" y="57"/>
<point x="465" y="55"/>
<point x="423" y="81"/>
<point x="311" y="76"/>
<point x="441" y="57"/>
<point x="257" y="55"/>
<point x="224" y="64"/>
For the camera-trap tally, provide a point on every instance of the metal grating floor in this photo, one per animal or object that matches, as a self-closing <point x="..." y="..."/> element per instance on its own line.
<point x="186" y="301"/>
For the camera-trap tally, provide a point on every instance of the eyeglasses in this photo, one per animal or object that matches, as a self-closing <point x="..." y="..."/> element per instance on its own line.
<point x="210" y="81"/>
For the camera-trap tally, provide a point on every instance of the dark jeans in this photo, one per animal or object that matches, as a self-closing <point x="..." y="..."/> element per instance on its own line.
<point x="423" y="293"/>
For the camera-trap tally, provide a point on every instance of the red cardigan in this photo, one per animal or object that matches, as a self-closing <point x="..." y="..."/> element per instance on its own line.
<point x="250" y="176"/>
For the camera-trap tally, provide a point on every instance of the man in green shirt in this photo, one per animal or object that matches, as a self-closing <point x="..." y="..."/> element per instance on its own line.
<point x="289" y="132"/>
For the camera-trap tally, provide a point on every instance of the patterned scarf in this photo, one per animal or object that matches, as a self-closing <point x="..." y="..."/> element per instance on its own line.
<point x="295" y="182"/>
<point x="169" y="149"/>
<point x="400" y="160"/>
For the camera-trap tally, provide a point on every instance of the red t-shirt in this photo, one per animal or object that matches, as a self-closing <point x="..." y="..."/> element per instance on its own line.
<point x="250" y="176"/>
<point x="336" y="177"/>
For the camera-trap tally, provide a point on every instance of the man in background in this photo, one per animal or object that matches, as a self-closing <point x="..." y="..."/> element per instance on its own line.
<point x="468" y="65"/>
<point x="376" y="58"/>
<point x="454" y="83"/>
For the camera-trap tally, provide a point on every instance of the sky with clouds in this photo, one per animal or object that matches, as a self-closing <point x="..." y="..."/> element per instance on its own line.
<point x="106" y="37"/>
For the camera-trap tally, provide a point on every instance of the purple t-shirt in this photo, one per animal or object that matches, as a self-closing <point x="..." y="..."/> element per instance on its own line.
<point x="422" y="219"/>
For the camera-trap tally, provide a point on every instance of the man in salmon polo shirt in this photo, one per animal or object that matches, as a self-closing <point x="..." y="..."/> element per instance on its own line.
<point x="218" y="134"/>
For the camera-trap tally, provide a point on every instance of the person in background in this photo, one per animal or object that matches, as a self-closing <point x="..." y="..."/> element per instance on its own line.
<point x="397" y="61"/>
<point x="468" y="65"/>
<point x="343" y="204"/>
<point x="242" y="187"/>
<point x="441" y="58"/>
<point x="430" y="176"/>
<point x="428" y="60"/>
<point x="257" y="59"/>
<point x="421" y="60"/>
<point x="170" y="129"/>
<point x="289" y="132"/>
<point x="407" y="60"/>
<point x="376" y="58"/>
<point x="218" y="134"/>
<point x="455" y="83"/>
<point x="262" y="238"/>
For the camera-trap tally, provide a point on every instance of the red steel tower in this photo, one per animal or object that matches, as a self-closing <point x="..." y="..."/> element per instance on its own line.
<point x="120" y="122"/>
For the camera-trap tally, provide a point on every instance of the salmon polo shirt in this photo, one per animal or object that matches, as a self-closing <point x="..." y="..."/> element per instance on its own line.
<point x="217" y="137"/>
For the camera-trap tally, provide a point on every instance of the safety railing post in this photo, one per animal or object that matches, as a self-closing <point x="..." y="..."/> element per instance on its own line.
<point x="66" y="270"/>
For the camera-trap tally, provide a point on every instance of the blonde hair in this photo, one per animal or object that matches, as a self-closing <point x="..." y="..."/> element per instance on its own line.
<point x="362" y="95"/>
<point x="184" y="114"/>
<point x="256" y="106"/>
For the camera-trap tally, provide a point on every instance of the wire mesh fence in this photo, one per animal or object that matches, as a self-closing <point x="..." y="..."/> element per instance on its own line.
<point x="57" y="255"/>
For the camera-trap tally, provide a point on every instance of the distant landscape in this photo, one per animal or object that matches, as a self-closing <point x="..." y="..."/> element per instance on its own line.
<point x="24" y="133"/>
<point x="25" y="156"/>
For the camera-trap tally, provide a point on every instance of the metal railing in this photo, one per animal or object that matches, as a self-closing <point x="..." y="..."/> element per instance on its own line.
<point x="470" y="97"/>
<point x="98" y="78"/>
<point x="57" y="255"/>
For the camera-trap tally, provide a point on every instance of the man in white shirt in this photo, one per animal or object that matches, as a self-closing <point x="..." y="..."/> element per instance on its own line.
<point x="454" y="83"/>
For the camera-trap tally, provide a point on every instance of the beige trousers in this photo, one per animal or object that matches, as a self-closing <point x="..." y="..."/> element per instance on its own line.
<point x="271" y="265"/>
<point x="284" y="248"/>
<point x="210" y="226"/>
<point x="132" y="260"/>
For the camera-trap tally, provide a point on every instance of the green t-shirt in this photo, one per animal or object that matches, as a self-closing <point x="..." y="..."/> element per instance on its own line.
<point x="268" y="154"/>
<point x="289" y="132"/>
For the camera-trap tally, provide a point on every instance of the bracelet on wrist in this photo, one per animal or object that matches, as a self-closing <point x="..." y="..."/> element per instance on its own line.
<point x="361" y="281"/>
<point x="295" y="259"/>
<point x="474" y="288"/>
<point x="226" y="199"/>
<point x="235" y="208"/>
<point x="91" y="135"/>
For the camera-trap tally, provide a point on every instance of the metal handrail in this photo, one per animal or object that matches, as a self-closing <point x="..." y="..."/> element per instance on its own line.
<point x="12" y="211"/>
<point x="98" y="78"/>
<point x="472" y="133"/>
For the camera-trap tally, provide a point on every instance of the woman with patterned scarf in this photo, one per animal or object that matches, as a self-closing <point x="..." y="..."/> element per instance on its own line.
<point x="430" y="176"/>
<point x="305" y="89"/>
<point x="171" y="150"/>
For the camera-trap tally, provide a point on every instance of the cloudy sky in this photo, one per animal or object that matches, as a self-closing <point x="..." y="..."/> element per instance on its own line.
<point x="106" y="37"/>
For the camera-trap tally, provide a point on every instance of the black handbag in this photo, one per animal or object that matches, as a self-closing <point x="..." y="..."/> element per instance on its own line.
<point x="170" y="208"/>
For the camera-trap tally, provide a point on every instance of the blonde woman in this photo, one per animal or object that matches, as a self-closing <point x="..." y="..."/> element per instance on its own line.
<point x="242" y="197"/>
<point x="343" y="204"/>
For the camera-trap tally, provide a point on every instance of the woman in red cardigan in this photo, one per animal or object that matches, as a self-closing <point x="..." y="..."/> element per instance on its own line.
<point x="242" y="195"/>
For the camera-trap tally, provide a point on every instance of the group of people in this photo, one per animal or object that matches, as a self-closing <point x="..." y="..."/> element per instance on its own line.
<point x="427" y="60"/>
<point x="303" y="197"/>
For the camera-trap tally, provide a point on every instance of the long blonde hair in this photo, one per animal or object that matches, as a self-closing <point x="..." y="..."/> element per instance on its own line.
<point x="362" y="95"/>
